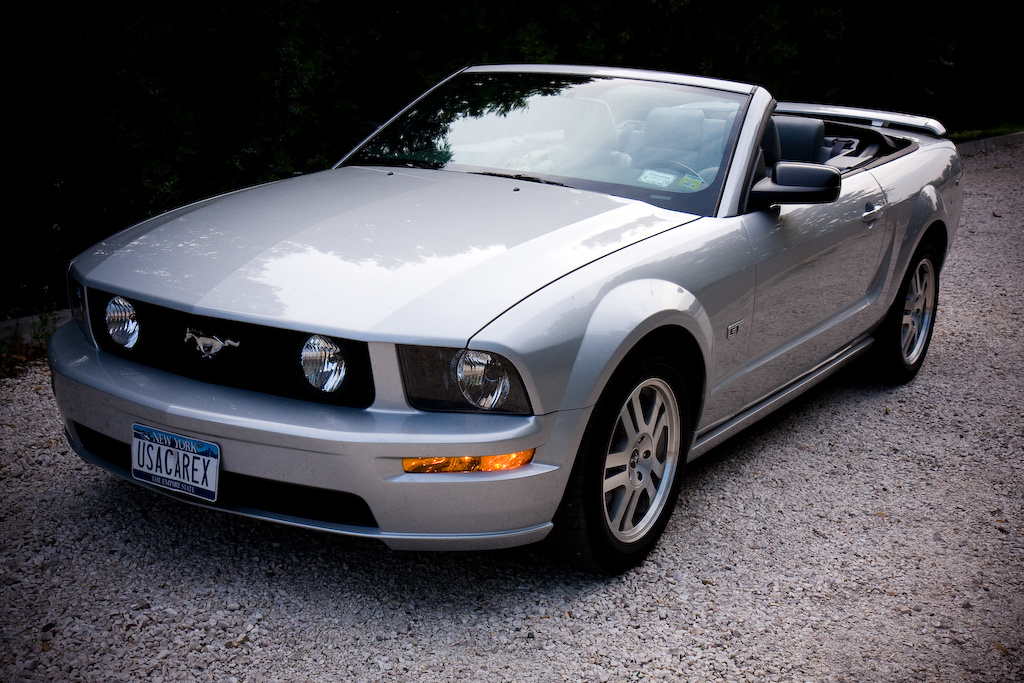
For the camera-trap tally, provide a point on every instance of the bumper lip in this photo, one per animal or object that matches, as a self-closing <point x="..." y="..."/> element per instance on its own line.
<point x="336" y="450"/>
<point x="393" y="540"/>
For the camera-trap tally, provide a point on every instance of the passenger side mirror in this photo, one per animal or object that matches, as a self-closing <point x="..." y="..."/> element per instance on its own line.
<point x="795" y="182"/>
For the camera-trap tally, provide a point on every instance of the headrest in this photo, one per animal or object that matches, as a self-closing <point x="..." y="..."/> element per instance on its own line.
<point x="592" y="124"/>
<point x="674" y="128"/>
<point x="770" y="144"/>
<point x="801" y="139"/>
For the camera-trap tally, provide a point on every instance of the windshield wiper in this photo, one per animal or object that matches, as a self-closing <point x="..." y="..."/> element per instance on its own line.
<point x="394" y="162"/>
<point x="520" y="176"/>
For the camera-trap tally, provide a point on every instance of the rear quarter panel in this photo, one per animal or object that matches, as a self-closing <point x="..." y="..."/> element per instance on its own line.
<point x="924" y="193"/>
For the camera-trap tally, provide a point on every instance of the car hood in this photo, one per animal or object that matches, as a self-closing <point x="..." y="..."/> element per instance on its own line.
<point x="369" y="253"/>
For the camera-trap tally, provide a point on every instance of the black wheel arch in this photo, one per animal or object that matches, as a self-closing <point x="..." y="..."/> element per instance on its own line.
<point x="937" y="235"/>
<point x="679" y="347"/>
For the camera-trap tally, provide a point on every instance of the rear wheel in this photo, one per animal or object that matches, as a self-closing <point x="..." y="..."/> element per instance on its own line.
<point x="625" y="481"/>
<point x="903" y="339"/>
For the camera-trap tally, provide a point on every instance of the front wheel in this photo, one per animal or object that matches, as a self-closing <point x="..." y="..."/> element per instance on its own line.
<point x="905" y="335"/>
<point x="625" y="481"/>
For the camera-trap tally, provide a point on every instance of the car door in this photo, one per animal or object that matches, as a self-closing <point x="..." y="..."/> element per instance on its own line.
<point x="815" y="268"/>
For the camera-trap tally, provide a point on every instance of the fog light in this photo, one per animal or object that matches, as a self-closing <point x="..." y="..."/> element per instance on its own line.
<point x="122" y="324"/>
<point x="322" y="364"/>
<point x="487" y="463"/>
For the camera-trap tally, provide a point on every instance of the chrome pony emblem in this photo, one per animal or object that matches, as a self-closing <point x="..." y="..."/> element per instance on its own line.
<point x="208" y="346"/>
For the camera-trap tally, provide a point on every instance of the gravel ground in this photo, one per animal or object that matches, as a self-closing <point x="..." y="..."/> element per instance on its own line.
<point x="861" y="534"/>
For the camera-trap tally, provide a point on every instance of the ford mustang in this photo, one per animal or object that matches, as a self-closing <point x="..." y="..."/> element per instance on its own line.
<point x="512" y="314"/>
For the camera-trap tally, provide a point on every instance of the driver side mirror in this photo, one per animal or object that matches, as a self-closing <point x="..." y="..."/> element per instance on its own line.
<point x="795" y="182"/>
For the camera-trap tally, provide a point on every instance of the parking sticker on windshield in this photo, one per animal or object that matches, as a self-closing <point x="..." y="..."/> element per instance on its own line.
<point x="690" y="182"/>
<point x="656" y="178"/>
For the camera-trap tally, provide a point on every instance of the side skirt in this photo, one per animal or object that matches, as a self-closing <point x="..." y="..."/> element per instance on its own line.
<point x="704" y="442"/>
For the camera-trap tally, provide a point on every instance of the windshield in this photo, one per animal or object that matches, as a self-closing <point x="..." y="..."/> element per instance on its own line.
<point x="661" y="143"/>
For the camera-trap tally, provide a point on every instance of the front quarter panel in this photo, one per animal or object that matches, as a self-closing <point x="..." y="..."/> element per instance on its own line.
<point x="568" y="338"/>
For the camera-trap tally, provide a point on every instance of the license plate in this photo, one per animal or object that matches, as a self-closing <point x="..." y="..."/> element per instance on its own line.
<point x="175" y="462"/>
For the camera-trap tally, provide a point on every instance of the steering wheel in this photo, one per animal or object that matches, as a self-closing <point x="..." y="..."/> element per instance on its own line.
<point x="671" y="165"/>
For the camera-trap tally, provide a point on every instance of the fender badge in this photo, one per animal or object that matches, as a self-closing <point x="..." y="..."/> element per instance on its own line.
<point x="208" y="346"/>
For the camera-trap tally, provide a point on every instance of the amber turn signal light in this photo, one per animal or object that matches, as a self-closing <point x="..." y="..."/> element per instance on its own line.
<point x="487" y="463"/>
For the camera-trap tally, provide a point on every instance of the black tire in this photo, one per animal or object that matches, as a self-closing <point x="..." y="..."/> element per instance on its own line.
<point x="626" y="477"/>
<point x="902" y="341"/>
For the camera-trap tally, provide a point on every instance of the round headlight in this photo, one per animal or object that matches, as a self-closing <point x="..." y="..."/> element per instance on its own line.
<point x="122" y="324"/>
<point x="323" y="364"/>
<point x="482" y="378"/>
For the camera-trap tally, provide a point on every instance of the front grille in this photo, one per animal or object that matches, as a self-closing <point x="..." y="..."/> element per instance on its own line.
<point x="266" y="359"/>
<point x="244" y="493"/>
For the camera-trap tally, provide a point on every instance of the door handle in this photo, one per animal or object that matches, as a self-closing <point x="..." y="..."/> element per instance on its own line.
<point x="872" y="212"/>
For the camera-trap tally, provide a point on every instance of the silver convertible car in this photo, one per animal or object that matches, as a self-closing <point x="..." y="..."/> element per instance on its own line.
<point x="512" y="314"/>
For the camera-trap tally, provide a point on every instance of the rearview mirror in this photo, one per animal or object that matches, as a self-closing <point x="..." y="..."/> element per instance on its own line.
<point x="794" y="182"/>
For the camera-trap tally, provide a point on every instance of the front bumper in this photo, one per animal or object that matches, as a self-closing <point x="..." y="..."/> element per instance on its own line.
<point x="326" y="467"/>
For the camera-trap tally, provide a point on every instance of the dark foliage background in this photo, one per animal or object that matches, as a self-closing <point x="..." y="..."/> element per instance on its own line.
<point x="123" y="109"/>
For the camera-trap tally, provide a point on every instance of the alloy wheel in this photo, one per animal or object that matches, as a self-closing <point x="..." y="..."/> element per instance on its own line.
<point x="641" y="460"/>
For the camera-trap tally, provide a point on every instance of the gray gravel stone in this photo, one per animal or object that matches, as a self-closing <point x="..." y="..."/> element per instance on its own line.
<point x="860" y="534"/>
